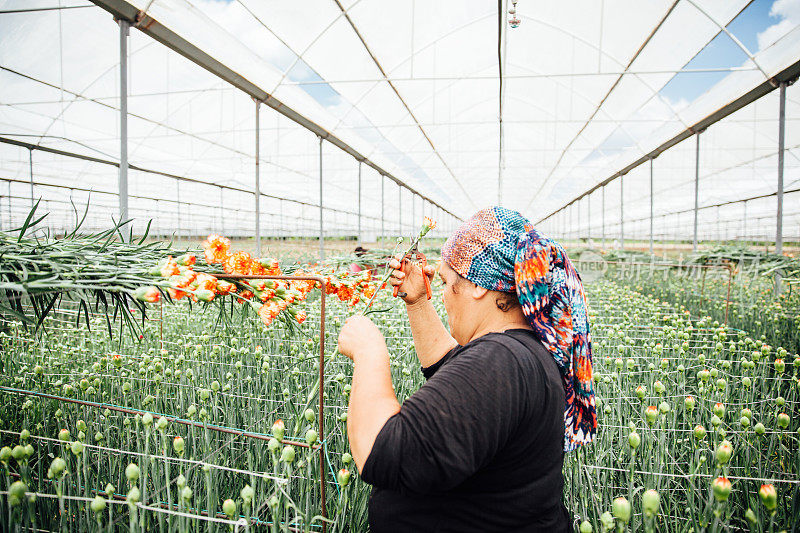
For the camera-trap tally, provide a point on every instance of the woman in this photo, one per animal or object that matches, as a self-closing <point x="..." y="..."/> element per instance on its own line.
<point x="480" y="446"/>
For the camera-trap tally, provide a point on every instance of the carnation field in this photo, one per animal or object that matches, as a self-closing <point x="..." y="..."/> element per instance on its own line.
<point x="208" y="417"/>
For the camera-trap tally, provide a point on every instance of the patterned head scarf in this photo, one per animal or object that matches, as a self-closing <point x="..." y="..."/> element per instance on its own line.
<point x="500" y="250"/>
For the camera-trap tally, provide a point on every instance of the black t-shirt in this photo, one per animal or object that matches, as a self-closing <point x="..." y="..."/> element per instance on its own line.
<point x="479" y="447"/>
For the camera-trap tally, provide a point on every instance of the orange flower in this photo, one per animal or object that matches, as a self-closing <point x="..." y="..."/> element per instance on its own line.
<point x="369" y="291"/>
<point x="170" y="268"/>
<point x="216" y="248"/>
<point x="244" y="295"/>
<point x="147" y="294"/>
<point x="301" y="317"/>
<point x="225" y="287"/>
<point x="238" y="263"/>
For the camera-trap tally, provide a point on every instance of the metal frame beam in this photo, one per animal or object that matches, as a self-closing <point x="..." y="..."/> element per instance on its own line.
<point x="124" y="10"/>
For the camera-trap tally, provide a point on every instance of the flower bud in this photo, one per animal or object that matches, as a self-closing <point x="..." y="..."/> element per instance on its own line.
<point x="346" y="458"/>
<point x="650" y="503"/>
<point x="133" y="496"/>
<point x="721" y="487"/>
<point x="98" y="504"/>
<point x="287" y="455"/>
<point x="769" y="497"/>
<point x="641" y="392"/>
<point x="699" y="432"/>
<point x="634" y="440"/>
<point x="147" y="419"/>
<point x="309" y="415"/>
<point x="247" y="493"/>
<point x="719" y="410"/>
<point x="132" y="473"/>
<point x="178" y="445"/>
<point x="689" y="403"/>
<point x="16" y="493"/>
<point x="186" y="493"/>
<point x="63" y="435"/>
<point x="585" y="527"/>
<point x="780" y="366"/>
<point x="229" y="508"/>
<point x="621" y="509"/>
<point x="77" y="447"/>
<point x="57" y="467"/>
<point x="750" y="516"/>
<point x="724" y="451"/>
<point x="273" y="445"/>
<point x="343" y="477"/>
<point x="783" y="420"/>
<point x="278" y="429"/>
<point x="311" y="437"/>
<point x="608" y="521"/>
<point x="650" y="414"/>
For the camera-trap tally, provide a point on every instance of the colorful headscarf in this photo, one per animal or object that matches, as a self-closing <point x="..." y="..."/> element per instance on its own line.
<point x="500" y="250"/>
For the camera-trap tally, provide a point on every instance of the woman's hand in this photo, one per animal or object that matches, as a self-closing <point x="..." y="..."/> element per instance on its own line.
<point x="410" y="281"/>
<point x="359" y="336"/>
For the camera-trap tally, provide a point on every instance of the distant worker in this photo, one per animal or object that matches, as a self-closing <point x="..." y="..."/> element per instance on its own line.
<point x="480" y="446"/>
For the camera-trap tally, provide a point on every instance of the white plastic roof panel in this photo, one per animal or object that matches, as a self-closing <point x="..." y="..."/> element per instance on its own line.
<point x="588" y="88"/>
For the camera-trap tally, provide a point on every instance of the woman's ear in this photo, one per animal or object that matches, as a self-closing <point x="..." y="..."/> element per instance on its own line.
<point x="479" y="292"/>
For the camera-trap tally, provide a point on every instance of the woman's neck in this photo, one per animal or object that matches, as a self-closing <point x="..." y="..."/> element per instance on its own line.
<point x="500" y="322"/>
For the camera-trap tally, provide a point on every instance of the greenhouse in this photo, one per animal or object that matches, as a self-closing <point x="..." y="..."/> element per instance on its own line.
<point x="284" y="266"/>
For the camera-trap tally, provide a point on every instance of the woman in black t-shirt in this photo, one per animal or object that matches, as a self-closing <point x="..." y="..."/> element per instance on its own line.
<point x="480" y="446"/>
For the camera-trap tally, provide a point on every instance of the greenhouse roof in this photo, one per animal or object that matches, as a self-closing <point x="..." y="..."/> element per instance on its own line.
<point x="444" y="97"/>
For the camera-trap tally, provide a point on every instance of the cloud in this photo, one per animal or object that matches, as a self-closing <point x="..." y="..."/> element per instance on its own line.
<point x="788" y="11"/>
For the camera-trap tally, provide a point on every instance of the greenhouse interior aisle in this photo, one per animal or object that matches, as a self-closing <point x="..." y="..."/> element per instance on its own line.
<point x="196" y="195"/>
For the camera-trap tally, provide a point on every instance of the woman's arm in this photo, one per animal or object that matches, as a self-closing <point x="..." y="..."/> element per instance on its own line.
<point x="431" y="339"/>
<point x="372" y="398"/>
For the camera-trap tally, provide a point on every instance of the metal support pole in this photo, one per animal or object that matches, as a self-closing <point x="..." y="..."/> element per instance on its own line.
<point x="124" y="26"/>
<point x="621" y="222"/>
<point x="413" y="211"/>
<point x="651" y="207"/>
<point x="744" y="222"/>
<point x="221" y="211"/>
<point x="589" y="219"/>
<point x="383" y="211"/>
<point x="579" y="227"/>
<point x="696" y="189"/>
<point x="781" y="148"/>
<point x="603" y="212"/>
<point x="30" y="171"/>
<point x="321" y="229"/>
<point x="178" y="205"/>
<point x="257" y="192"/>
<point x="359" y="202"/>
<point x="400" y="210"/>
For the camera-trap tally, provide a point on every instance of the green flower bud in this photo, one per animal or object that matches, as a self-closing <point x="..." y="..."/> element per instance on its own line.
<point x="346" y="458"/>
<point x="63" y="435"/>
<point x="247" y="493"/>
<point x="16" y="493"/>
<point x="309" y="415"/>
<point x="650" y="503"/>
<point x="98" y="504"/>
<point x="721" y="488"/>
<point x="5" y="454"/>
<point x="585" y="527"/>
<point x="77" y="447"/>
<point x="147" y="419"/>
<point x="343" y="477"/>
<point x="229" y="508"/>
<point x="769" y="497"/>
<point x="621" y="509"/>
<point x="133" y="496"/>
<point x="783" y="420"/>
<point x="759" y="428"/>
<point x="607" y="521"/>
<point x="634" y="440"/>
<point x="750" y="516"/>
<point x="287" y="455"/>
<point x="724" y="451"/>
<point x="132" y="473"/>
<point x="311" y="437"/>
<point x="278" y="429"/>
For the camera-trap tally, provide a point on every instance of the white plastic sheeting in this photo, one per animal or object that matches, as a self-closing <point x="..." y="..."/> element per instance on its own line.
<point x="588" y="87"/>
